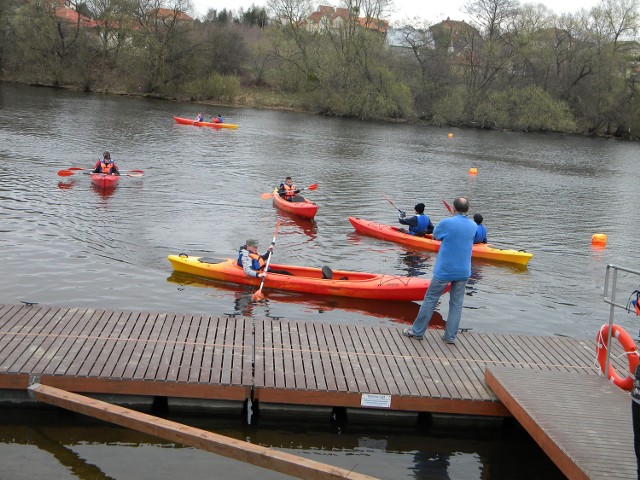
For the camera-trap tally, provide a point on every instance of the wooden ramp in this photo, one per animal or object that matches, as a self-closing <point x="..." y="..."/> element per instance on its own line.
<point x="278" y="361"/>
<point x="583" y="423"/>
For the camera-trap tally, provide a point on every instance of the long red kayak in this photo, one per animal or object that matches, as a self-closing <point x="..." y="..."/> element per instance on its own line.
<point x="306" y="279"/>
<point x="306" y="208"/>
<point x="102" y="180"/>
<point x="393" y="234"/>
<point x="188" y="121"/>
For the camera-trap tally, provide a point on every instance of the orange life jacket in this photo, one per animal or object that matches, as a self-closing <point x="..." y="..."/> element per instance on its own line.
<point x="289" y="190"/>
<point x="106" y="167"/>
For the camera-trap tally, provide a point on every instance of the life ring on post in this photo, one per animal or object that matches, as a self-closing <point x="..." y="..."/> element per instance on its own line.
<point x="630" y="349"/>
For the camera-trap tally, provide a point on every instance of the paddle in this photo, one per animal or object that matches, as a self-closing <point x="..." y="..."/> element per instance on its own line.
<point x="392" y="204"/>
<point x="73" y="170"/>
<point x="259" y="296"/>
<point x="448" y="207"/>
<point x="312" y="187"/>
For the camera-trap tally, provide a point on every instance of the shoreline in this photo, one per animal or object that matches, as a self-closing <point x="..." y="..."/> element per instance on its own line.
<point x="248" y="100"/>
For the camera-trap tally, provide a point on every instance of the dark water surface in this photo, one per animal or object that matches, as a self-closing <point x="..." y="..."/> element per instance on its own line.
<point x="67" y="244"/>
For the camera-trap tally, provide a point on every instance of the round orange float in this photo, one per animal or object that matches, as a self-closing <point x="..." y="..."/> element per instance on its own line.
<point x="629" y="347"/>
<point x="599" y="240"/>
<point x="473" y="171"/>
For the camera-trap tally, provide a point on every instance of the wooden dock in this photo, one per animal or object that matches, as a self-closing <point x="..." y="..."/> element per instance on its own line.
<point x="550" y="384"/>
<point x="584" y="426"/>
<point x="221" y="358"/>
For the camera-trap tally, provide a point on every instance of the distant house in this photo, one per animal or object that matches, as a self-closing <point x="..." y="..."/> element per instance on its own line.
<point x="63" y="12"/>
<point x="454" y="35"/>
<point x="330" y="19"/>
<point x="169" y="13"/>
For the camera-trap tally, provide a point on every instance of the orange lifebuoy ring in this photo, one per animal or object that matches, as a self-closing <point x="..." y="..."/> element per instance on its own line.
<point x="629" y="347"/>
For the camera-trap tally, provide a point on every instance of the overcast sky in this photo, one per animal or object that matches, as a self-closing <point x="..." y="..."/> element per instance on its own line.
<point x="424" y="9"/>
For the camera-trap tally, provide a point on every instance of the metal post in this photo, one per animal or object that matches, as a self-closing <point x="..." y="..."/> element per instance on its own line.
<point x="611" y="314"/>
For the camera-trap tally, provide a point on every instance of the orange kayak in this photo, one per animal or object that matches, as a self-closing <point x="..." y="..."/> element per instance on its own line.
<point x="393" y="234"/>
<point x="306" y="208"/>
<point x="102" y="180"/>
<point x="308" y="280"/>
<point x="188" y="121"/>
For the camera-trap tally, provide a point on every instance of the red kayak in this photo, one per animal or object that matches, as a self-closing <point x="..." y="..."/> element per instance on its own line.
<point x="188" y="121"/>
<point x="102" y="180"/>
<point x="300" y="206"/>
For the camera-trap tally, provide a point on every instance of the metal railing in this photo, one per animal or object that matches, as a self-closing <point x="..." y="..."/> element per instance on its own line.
<point x="610" y="286"/>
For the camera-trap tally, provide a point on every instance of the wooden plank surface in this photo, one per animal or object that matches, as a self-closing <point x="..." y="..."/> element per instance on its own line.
<point x="583" y="422"/>
<point x="283" y="360"/>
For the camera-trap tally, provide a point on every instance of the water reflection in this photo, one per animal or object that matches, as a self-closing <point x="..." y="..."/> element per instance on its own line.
<point x="398" y="448"/>
<point x="294" y="225"/>
<point x="401" y="312"/>
<point x="103" y="193"/>
<point x="417" y="263"/>
<point x="65" y="185"/>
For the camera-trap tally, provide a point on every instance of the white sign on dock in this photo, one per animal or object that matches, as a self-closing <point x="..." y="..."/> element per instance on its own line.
<point x="375" y="400"/>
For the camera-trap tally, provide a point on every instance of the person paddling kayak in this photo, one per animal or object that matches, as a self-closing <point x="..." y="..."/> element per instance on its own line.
<point x="481" y="232"/>
<point x="288" y="190"/>
<point x="419" y="224"/>
<point x="106" y="165"/>
<point x="251" y="261"/>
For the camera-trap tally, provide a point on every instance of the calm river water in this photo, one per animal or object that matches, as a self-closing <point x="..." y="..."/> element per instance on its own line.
<point x="66" y="244"/>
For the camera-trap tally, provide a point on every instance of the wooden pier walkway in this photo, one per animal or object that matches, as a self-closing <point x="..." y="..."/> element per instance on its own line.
<point x="585" y="427"/>
<point x="219" y="358"/>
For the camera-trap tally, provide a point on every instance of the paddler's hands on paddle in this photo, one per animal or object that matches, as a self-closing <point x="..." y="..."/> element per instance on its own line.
<point x="402" y="214"/>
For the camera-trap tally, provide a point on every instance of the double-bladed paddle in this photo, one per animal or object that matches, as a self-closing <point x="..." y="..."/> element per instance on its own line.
<point x="259" y="296"/>
<point x="73" y="170"/>
<point x="312" y="187"/>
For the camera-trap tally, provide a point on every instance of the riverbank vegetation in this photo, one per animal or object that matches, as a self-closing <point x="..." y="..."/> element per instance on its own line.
<point x="513" y="66"/>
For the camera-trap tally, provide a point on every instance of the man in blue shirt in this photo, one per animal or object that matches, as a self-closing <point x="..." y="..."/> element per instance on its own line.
<point x="453" y="265"/>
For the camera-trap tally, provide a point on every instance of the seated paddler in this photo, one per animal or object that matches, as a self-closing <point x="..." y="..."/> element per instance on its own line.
<point x="106" y="165"/>
<point x="287" y="189"/>
<point x="419" y="224"/>
<point x="251" y="261"/>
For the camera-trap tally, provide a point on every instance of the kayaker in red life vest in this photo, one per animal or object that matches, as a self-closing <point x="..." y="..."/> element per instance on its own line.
<point x="419" y="225"/>
<point x="217" y="119"/>
<point x="251" y="262"/>
<point x="106" y="165"/>
<point x="287" y="189"/>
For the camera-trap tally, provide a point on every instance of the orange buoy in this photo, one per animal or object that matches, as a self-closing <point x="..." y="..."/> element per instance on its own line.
<point x="450" y="135"/>
<point x="473" y="171"/>
<point x="599" y="240"/>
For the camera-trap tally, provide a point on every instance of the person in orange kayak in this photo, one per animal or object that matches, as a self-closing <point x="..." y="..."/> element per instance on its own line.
<point x="217" y="119"/>
<point x="251" y="261"/>
<point x="419" y="224"/>
<point x="199" y="118"/>
<point x="287" y="189"/>
<point x="481" y="232"/>
<point x="106" y="165"/>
